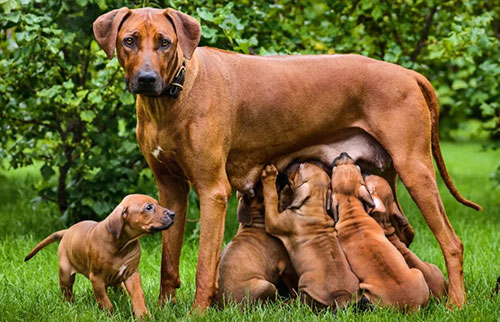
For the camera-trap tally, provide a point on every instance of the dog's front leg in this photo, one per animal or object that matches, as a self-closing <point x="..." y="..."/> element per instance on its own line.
<point x="134" y="288"/>
<point x="276" y="223"/>
<point x="173" y="193"/>
<point x="213" y="203"/>
<point x="99" y="287"/>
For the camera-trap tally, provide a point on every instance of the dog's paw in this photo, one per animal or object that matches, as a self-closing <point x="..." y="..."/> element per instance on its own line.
<point x="269" y="173"/>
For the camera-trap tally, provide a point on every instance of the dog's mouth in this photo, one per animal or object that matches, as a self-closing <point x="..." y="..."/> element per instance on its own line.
<point x="154" y="229"/>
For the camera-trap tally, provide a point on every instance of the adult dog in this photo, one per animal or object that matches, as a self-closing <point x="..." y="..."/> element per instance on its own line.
<point x="214" y="119"/>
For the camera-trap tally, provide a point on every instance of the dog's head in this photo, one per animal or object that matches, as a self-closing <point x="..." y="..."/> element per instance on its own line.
<point x="137" y="215"/>
<point x="348" y="181"/>
<point x="386" y="212"/>
<point x="251" y="208"/>
<point x="306" y="182"/>
<point x="150" y="44"/>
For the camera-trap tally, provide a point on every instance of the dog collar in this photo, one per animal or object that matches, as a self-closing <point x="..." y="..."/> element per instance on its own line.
<point x="175" y="88"/>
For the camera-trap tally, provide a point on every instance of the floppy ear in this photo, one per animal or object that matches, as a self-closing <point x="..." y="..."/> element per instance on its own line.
<point x="114" y="222"/>
<point x="244" y="215"/>
<point x="334" y="207"/>
<point x="285" y="198"/>
<point x="365" y="196"/>
<point x="301" y="194"/>
<point x="378" y="204"/>
<point x="188" y="31"/>
<point x="106" y="29"/>
<point x="404" y="230"/>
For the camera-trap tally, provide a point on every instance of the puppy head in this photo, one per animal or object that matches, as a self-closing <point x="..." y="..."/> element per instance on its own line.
<point x="250" y="207"/>
<point x="386" y="211"/>
<point x="306" y="181"/>
<point x="348" y="181"/>
<point x="137" y="215"/>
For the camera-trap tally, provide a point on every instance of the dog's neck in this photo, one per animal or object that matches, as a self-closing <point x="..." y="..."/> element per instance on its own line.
<point x="125" y="243"/>
<point x="349" y="207"/>
<point x="165" y="109"/>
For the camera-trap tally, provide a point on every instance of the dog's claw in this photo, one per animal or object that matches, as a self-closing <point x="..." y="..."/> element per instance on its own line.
<point x="269" y="173"/>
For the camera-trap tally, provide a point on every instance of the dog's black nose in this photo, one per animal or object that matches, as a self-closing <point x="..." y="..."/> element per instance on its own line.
<point x="146" y="79"/>
<point x="171" y="214"/>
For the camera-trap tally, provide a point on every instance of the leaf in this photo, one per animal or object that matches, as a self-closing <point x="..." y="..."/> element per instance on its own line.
<point x="47" y="172"/>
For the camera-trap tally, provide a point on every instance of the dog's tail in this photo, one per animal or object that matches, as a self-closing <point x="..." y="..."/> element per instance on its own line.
<point x="47" y="241"/>
<point x="432" y="103"/>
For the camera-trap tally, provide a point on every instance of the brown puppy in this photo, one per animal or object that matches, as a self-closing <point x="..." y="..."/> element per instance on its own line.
<point x="254" y="264"/>
<point x="382" y="270"/>
<point x="385" y="213"/>
<point x="108" y="252"/>
<point x="214" y="119"/>
<point x="306" y="230"/>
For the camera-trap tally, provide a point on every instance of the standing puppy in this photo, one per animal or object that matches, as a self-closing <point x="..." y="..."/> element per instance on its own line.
<point x="306" y="230"/>
<point x="385" y="210"/>
<point x="382" y="270"/>
<point x="254" y="264"/>
<point x="108" y="252"/>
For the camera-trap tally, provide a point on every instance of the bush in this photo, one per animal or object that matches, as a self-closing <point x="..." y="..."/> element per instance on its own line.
<point x="64" y="104"/>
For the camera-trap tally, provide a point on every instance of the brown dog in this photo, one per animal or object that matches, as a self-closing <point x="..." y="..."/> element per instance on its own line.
<point x="306" y="230"/>
<point x="386" y="213"/>
<point x="108" y="252"/>
<point x="214" y="119"/>
<point x="254" y="264"/>
<point x="385" y="277"/>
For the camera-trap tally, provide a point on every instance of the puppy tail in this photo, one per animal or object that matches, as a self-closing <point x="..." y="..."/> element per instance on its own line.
<point x="432" y="103"/>
<point x="47" y="241"/>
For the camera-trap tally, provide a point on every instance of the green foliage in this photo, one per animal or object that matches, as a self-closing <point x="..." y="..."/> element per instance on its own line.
<point x="65" y="104"/>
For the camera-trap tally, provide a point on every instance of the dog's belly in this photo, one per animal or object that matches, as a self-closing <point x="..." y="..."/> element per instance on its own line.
<point x="244" y="168"/>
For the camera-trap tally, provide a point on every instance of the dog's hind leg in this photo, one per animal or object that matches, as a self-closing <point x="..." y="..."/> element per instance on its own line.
<point x="66" y="279"/>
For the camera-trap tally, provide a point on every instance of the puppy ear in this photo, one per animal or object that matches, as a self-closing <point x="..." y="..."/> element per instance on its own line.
<point x="334" y="205"/>
<point x="243" y="211"/>
<point x="285" y="198"/>
<point x="188" y="31"/>
<point x="365" y="196"/>
<point x="378" y="204"/>
<point x="404" y="230"/>
<point x="106" y="29"/>
<point x="301" y="194"/>
<point x="114" y="222"/>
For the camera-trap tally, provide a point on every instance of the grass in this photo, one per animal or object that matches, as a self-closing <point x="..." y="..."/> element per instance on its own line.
<point x="30" y="291"/>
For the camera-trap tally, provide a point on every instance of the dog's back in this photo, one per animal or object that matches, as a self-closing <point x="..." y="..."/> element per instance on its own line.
<point x="385" y="277"/>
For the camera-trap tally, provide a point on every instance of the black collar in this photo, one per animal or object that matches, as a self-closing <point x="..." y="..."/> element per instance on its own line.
<point x="175" y="88"/>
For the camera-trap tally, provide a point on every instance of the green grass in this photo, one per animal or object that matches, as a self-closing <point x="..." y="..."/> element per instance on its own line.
<point x="30" y="291"/>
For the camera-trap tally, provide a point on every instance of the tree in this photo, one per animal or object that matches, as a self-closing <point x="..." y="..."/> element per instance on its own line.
<point x="64" y="104"/>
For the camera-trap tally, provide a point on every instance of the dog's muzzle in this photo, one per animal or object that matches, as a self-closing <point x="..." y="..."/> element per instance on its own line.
<point x="147" y="83"/>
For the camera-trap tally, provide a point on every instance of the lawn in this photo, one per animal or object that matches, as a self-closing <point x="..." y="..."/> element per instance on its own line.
<point x="30" y="291"/>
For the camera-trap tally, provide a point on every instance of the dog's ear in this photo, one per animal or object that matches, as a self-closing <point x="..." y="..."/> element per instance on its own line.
<point x="114" y="222"/>
<point x="188" y="31"/>
<point x="378" y="204"/>
<point x="243" y="211"/>
<point x="285" y="198"/>
<point x="365" y="196"/>
<point x="300" y="196"/>
<point x="106" y="29"/>
<point x="404" y="230"/>
<point x="334" y="207"/>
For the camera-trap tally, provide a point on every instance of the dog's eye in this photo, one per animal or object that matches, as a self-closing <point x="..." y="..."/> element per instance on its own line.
<point x="149" y="207"/>
<point x="129" y="41"/>
<point x="165" y="43"/>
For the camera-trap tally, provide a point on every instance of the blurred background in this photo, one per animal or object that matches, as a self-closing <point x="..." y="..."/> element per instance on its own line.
<point x="65" y="112"/>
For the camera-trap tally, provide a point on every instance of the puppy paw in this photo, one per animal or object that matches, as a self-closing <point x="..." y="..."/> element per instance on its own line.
<point x="269" y="173"/>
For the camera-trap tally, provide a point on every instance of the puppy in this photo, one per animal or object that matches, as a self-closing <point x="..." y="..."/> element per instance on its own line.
<point x="385" y="277"/>
<point x="254" y="265"/>
<point x="385" y="209"/>
<point x="108" y="252"/>
<point x="306" y="230"/>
